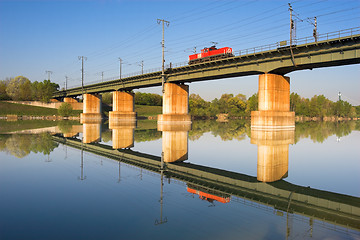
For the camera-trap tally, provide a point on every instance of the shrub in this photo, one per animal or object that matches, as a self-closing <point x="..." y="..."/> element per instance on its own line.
<point x="65" y="109"/>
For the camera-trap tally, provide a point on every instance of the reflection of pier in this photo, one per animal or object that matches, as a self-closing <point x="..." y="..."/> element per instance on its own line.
<point x="122" y="133"/>
<point x="339" y="209"/>
<point x="273" y="153"/>
<point x="91" y="130"/>
<point x="175" y="141"/>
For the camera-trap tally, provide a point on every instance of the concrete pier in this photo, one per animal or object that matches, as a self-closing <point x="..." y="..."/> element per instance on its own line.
<point x="75" y="104"/>
<point x="91" y="107"/>
<point x="123" y="107"/>
<point x="273" y="153"/>
<point x="175" y="104"/>
<point x="174" y="141"/>
<point x="274" y="104"/>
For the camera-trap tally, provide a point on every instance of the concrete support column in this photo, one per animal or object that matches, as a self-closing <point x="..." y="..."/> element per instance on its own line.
<point x="273" y="153"/>
<point x="174" y="141"/>
<point x="122" y="133"/>
<point x="70" y="100"/>
<point x="91" y="107"/>
<point x="74" y="103"/>
<point x="175" y="104"/>
<point x="123" y="107"/>
<point x="274" y="104"/>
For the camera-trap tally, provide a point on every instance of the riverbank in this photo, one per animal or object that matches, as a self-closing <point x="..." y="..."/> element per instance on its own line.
<point x="14" y="111"/>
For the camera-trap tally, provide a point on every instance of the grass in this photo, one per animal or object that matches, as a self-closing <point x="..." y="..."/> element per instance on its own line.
<point x="26" y="110"/>
<point x="146" y="111"/>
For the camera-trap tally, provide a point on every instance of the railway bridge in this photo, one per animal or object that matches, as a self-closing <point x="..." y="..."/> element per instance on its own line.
<point x="270" y="62"/>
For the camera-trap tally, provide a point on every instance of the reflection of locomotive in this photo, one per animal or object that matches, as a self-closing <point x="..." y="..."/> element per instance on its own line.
<point x="208" y="194"/>
<point x="211" y="53"/>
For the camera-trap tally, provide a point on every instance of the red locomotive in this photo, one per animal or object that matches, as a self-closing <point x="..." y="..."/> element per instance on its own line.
<point x="211" y="53"/>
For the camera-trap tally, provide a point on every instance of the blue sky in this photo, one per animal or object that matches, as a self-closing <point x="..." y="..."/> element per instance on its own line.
<point x="39" y="36"/>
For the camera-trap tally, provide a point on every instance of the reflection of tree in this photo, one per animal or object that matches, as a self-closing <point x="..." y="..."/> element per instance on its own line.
<point x="65" y="126"/>
<point x="238" y="129"/>
<point x="21" y="145"/>
<point x="146" y="135"/>
<point x="106" y="136"/>
<point x="234" y="129"/>
<point x="320" y="131"/>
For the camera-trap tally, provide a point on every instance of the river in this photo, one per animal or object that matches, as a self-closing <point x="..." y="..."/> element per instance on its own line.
<point x="215" y="180"/>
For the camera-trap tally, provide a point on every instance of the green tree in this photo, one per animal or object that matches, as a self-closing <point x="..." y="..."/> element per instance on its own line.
<point x="3" y="86"/>
<point x="19" y="88"/>
<point x="198" y="106"/>
<point x="150" y="99"/>
<point x="236" y="105"/>
<point x="294" y="101"/>
<point x="107" y="98"/>
<point x="65" y="109"/>
<point x="252" y="104"/>
<point x="48" y="88"/>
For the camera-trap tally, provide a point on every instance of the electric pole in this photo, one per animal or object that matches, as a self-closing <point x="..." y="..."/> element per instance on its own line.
<point x="102" y="76"/>
<point x="82" y="74"/>
<point x="142" y="67"/>
<point x="291" y="24"/>
<point x="48" y="73"/>
<point x="315" y="29"/>
<point x="163" y="50"/>
<point x="66" y="79"/>
<point x="120" y="60"/>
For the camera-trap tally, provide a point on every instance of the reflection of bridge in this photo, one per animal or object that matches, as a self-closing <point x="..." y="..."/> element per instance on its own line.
<point x="331" y="207"/>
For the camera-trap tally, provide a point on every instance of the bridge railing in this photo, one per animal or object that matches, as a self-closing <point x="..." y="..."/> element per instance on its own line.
<point x="320" y="37"/>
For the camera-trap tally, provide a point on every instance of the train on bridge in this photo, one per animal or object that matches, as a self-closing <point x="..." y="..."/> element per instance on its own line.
<point x="211" y="53"/>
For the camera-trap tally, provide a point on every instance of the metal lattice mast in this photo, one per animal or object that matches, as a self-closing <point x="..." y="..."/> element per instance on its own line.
<point x="163" y="51"/>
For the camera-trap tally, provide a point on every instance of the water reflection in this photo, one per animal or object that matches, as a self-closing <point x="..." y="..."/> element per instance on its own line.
<point x="273" y="153"/>
<point x="122" y="134"/>
<point x="91" y="130"/>
<point x="192" y="186"/>
<point x="208" y="194"/>
<point x="174" y="141"/>
<point x="21" y="145"/>
<point x="213" y="184"/>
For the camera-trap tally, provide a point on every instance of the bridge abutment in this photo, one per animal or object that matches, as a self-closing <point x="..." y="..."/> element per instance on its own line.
<point x="123" y="107"/>
<point x="175" y="104"/>
<point x="91" y="107"/>
<point x="75" y="104"/>
<point x="274" y="104"/>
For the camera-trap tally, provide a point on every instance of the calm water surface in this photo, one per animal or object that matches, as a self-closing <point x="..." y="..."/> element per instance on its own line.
<point x="232" y="183"/>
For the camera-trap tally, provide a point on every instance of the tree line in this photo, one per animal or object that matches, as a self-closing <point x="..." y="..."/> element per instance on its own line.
<point x="149" y="99"/>
<point x="21" y="88"/>
<point x="239" y="106"/>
